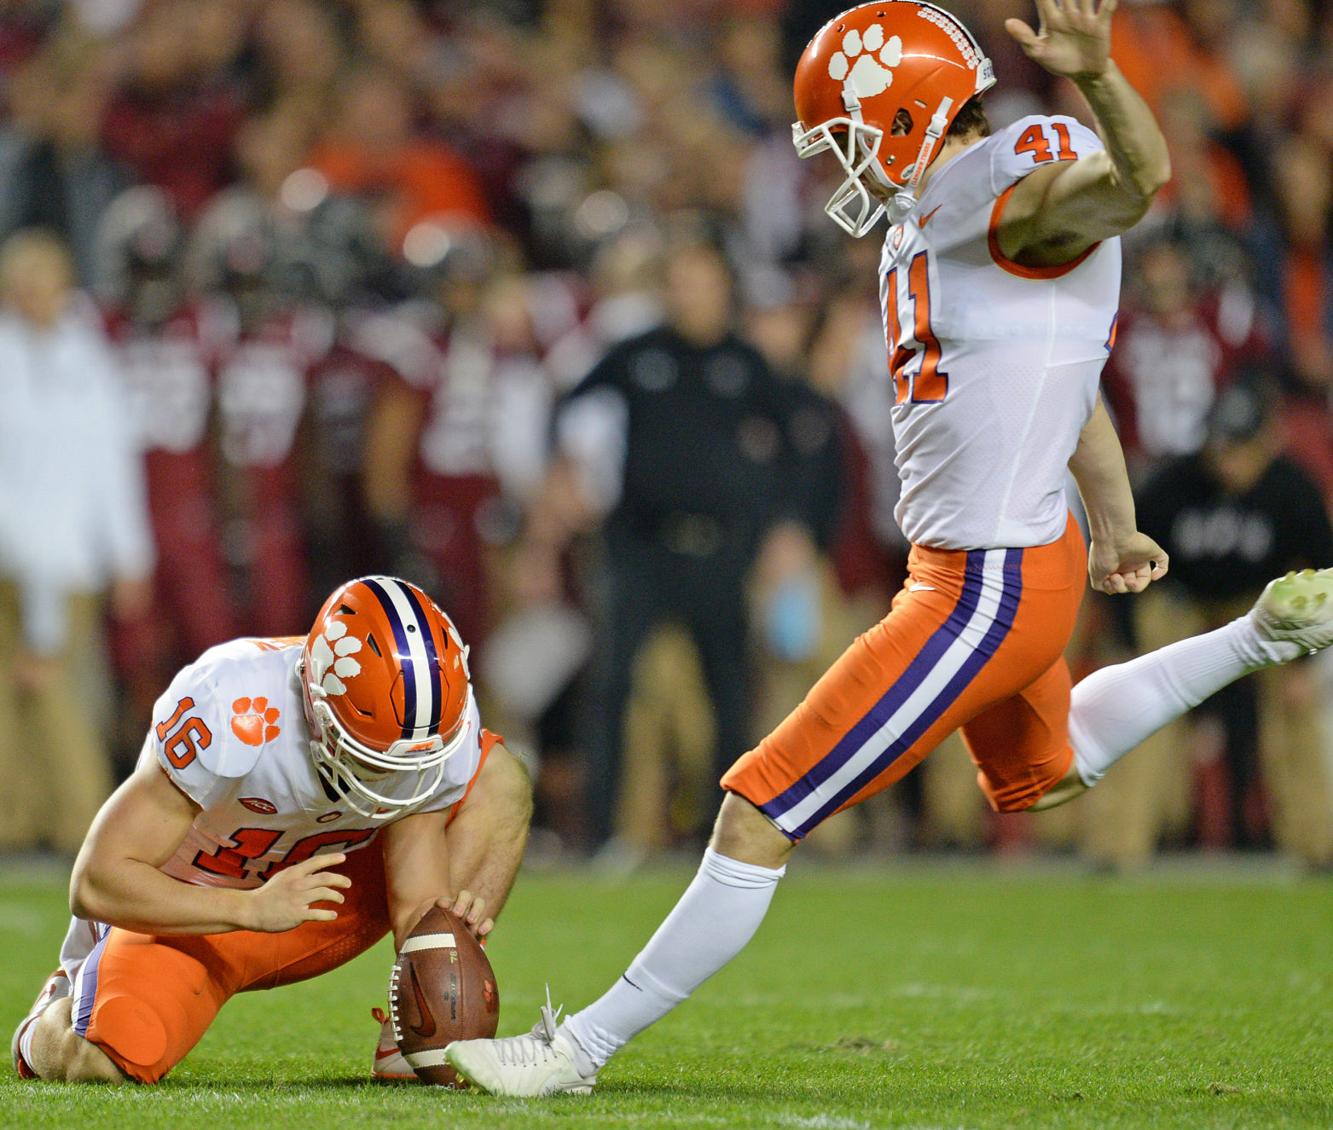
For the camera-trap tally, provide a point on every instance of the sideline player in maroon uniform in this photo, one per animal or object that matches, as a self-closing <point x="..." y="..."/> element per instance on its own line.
<point x="1176" y="348"/>
<point x="448" y="446"/>
<point x="163" y="343"/>
<point x="268" y="344"/>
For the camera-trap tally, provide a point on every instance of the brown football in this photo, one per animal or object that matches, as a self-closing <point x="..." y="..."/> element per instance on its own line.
<point x="442" y="989"/>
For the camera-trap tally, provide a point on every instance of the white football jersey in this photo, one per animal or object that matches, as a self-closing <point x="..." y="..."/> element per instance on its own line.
<point x="231" y="734"/>
<point x="995" y="365"/>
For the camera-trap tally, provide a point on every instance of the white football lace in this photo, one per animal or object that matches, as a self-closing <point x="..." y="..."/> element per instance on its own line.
<point x="537" y="1047"/>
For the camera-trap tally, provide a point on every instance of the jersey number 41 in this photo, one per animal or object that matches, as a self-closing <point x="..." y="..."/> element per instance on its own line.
<point x="927" y="384"/>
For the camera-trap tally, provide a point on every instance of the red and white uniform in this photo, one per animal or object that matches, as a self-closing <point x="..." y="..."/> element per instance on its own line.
<point x="262" y="396"/>
<point x="994" y="376"/>
<point x="1164" y="374"/>
<point x="369" y="352"/>
<point x="482" y="437"/>
<point x="166" y="370"/>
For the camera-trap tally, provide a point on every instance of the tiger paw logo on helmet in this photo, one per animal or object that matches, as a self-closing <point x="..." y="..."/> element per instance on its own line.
<point x="331" y="658"/>
<point x="254" y="721"/>
<point x="869" y="75"/>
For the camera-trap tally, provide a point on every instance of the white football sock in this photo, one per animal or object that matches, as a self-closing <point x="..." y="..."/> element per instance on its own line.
<point x="714" y="919"/>
<point x="1114" y="709"/>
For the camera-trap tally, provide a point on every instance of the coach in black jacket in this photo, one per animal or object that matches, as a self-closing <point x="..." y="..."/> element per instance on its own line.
<point x="689" y="433"/>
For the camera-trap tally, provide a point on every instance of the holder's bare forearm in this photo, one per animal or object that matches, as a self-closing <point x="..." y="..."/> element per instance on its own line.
<point x="135" y="896"/>
<point x="116" y="878"/>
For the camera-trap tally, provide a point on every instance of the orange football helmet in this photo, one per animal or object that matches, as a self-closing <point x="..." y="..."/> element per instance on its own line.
<point x="387" y="690"/>
<point x="854" y="78"/>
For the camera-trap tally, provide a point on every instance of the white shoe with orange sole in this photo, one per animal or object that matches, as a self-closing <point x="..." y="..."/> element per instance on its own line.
<point x="389" y="1066"/>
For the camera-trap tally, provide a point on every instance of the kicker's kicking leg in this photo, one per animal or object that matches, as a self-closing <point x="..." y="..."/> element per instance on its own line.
<point x="1116" y="708"/>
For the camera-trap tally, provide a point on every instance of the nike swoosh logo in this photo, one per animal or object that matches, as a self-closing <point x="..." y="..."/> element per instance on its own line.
<point x="921" y="223"/>
<point x="426" y="1029"/>
<point x="385" y="1053"/>
<point x="921" y="588"/>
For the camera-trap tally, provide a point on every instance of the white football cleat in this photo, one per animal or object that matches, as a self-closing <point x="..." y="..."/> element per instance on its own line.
<point x="53" y="989"/>
<point x="543" y="1062"/>
<point x="389" y="1066"/>
<point x="1297" y="608"/>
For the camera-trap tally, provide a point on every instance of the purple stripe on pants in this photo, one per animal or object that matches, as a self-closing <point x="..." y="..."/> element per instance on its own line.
<point x="990" y="642"/>
<point x="893" y="698"/>
<point x="83" y="1007"/>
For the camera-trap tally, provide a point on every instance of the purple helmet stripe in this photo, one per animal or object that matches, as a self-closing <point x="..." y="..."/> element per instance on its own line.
<point x="404" y="652"/>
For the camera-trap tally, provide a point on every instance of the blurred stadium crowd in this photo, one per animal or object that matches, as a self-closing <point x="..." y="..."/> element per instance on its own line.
<point x="341" y="272"/>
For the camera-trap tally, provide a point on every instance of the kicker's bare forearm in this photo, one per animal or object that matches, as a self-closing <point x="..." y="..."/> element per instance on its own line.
<point x="1133" y="139"/>
<point x="1098" y="466"/>
<point x="135" y="896"/>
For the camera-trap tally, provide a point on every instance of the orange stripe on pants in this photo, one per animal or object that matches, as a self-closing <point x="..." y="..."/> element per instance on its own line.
<point x="974" y="640"/>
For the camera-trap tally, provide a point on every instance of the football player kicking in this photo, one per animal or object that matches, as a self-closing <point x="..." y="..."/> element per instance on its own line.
<point x="296" y="800"/>
<point x="999" y="283"/>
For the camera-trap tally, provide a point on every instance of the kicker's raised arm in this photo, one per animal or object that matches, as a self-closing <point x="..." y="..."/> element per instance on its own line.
<point x="1060" y="210"/>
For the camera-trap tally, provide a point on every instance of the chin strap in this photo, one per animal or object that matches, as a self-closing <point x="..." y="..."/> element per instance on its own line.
<point x="900" y="207"/>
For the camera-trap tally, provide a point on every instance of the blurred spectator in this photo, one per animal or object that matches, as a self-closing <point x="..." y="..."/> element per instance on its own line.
<point x="173" y="115"/>
<point x="625" y="280"/>
<point x="265" y="348"/>
<point x="1232" y="517"/>
<point x="457" y="446"/>
<point x="796" y="587"/>
<point x="165" y="345"/>
<point x="343" y="274"/>
<point x="1297" y="272"/>
<point x="371" y="150"/>
<point x="847" y="363"/>
<point x="299" y="54"/>
<point x="57" y="175"/>
<point x="1174" y="348"/>
<point x="73" y="524"/>
<point x="1162" y="52"/>
<point x="1208" y="179"/>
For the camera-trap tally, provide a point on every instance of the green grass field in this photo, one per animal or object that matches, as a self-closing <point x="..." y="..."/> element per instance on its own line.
<point x="922" y="996"/>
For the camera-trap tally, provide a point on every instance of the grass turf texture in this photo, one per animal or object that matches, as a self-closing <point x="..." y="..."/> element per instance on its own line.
<point x="915" y="997"/>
